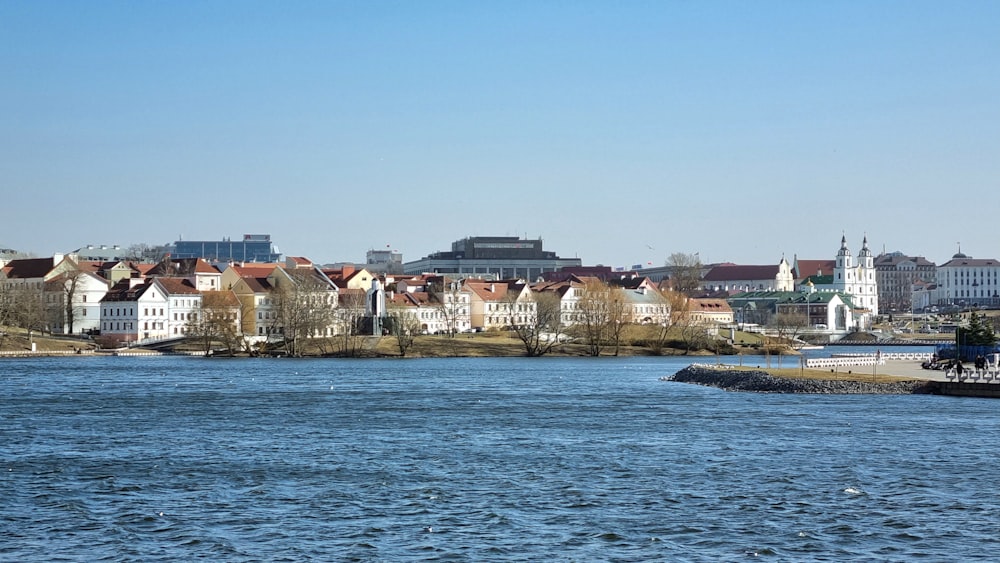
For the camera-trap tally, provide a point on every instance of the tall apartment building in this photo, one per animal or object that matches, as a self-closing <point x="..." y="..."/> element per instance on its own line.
<point x="896" y="273"/>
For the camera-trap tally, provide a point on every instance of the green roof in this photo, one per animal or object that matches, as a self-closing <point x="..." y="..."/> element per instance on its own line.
<point x="791" y="297"/>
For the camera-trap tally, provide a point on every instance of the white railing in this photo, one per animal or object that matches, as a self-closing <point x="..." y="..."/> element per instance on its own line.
<point x="844" y="362"/>
<point x="989" y="374"/>
<point x="906" y="356"/>
<point x="18" y="353"/>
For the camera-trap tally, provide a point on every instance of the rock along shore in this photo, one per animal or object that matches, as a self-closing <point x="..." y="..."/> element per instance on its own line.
<point x="763" y="382"/>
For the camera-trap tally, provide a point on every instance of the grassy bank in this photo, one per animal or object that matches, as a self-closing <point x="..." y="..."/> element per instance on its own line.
<point x="823" y="375"/>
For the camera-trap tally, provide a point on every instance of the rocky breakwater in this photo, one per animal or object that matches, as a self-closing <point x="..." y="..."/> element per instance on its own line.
<point x="733" y="379"/>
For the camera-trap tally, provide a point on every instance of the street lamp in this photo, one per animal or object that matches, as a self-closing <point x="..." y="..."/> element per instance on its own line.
<point x="810" y="287"/>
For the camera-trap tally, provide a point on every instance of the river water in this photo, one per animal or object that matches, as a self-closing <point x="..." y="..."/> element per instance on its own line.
<point x="514" y="459"/>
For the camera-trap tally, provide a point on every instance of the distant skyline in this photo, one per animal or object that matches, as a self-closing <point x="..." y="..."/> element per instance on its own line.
<point x="617" y="133"/>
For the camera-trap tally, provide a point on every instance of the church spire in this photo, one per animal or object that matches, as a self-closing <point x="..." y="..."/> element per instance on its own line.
<point x="844" y="251"/>
<point x="865" y="251"/>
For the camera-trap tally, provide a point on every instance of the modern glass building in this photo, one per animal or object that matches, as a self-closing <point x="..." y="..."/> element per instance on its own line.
<point x="253" y="248"/>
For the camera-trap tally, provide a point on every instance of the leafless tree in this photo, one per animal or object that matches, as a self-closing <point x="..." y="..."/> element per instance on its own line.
<point x="27" y="308"/>
<point x="594" y="315"/>
<point x="541" y="331"/>
<point x="788" y="325"/>
<point x="6" y="308"/>
<point x="692" y="333"/>
<point x="404" y="326"/>
<point x="618" y="317"/>
<point x="348" y="316"/>
<point x="218" y="321"/>
<point x="304" y="309"/>
<point x="65" y="287"/>
<point x="668" y="300"/>
<point x="685" y="272"/>
<point x="145" y="253"/>
<point x="454" y="305"/>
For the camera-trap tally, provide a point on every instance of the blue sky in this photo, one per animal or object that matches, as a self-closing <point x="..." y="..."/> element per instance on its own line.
<point x="618" y="132"/>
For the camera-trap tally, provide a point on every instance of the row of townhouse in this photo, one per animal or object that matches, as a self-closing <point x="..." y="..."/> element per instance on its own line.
<point x="441" y="305"/>
<point x="128" y="302"/>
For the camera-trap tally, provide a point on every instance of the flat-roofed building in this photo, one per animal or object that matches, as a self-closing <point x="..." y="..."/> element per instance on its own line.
<point x="493" y="257"/>
<point x="252" y="248"/>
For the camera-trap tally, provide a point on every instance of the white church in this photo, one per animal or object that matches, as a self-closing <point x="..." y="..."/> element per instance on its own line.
<point x="855" y="278"/>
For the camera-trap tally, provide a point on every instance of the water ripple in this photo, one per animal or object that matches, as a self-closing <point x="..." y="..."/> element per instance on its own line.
<point x="164" y="459"/>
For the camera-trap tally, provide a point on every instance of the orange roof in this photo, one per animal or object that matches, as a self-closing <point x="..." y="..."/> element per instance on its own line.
<point x="806" y="268"/>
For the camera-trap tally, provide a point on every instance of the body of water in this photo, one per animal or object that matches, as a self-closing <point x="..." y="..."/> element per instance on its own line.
<point x="559" y="459"/>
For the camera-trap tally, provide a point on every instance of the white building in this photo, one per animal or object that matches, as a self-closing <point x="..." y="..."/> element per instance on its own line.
<point x="857" y="279"/>
<point x="147" y="310"/>
<point x="968" y="282"/>
<point x="69" y="292"/>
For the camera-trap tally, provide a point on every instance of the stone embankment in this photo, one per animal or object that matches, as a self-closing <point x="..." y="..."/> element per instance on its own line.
<point x="762" y="382"/>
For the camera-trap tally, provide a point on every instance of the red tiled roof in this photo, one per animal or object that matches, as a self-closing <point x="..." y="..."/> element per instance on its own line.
<point x="806" y="268"/>
<point x="731" y="273"/>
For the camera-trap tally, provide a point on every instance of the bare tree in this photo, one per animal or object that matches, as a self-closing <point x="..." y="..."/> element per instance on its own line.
<point x="594" y="315"/>
<point x="6" y="308"/>
<point x="66" y="286"/>
<point x="618" y="317"/>
<point x="218" y="321"/>
<point x="348" y="316"/>
<point x="685" y="272"/>
<point x="668" y="300"/>
<point x="788" y="325"/>
<point x="145" y="253"/>
<point x="304" y="309"/>
<point x="454" y="304"/>
<point x="541" y="331"/>
<point x="692" y="333"/>
<point x="404" y="326"/>
<point x="28" y="309"/>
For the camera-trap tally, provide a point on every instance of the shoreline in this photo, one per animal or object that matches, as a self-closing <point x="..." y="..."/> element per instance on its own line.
<point x="760" y="381"/>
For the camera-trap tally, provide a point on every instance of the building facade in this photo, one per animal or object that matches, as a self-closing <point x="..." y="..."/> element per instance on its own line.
<point x="252" y="248"/>
<point x="969" y="282"/>
<point x="494" y="257"/>
<point x="896" y="275"/>
<point x="857" y="279"/>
